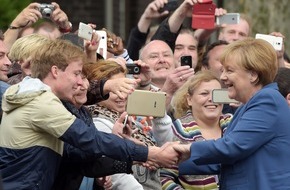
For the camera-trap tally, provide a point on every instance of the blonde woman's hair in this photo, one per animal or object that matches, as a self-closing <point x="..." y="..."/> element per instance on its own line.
<point x="254" y="55"/>
<point x="179" y="101"/>
<point x="23" y="47"/>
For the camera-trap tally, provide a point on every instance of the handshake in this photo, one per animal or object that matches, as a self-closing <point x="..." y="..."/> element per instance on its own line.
<point x="170" y="154"/>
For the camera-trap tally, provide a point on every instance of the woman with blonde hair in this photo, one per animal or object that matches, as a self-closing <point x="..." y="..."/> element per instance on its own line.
<point x="199" y="119"/>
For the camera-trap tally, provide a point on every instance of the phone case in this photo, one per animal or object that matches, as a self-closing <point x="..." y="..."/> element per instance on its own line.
<point x="230" y="18"/>
<point x="220" y="96"/>
<point x="186" y="60"/>
<point x="85" y="31"/>
<point x="276" y="42"/>
<point x="203" y="16"/>
<point x="146" y="103"/>
<point x="102" y="49"/>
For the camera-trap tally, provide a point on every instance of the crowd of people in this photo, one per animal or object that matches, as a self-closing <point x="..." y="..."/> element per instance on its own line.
<point x="64" y="123"/>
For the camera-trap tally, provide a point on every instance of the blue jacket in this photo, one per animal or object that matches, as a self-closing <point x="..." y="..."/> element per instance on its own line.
<point x="254" y="151"/>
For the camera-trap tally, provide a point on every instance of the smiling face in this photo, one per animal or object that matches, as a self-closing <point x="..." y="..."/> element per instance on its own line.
<point x="4" y="62"/>
<point x="201" y="103"/>
<point x="158" y="55"/>
<point x="238" y="81"/>
<point x="69" y="80"/>
<point x="114" y="102"/>
<point x="80" y="96"/>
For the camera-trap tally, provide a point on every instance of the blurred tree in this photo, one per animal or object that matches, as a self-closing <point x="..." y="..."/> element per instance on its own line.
<point x="9" y="9"/>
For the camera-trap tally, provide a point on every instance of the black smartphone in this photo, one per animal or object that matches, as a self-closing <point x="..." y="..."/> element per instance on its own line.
<point x="186" y="60"/>
<point x="133" y="69"/>
<point x="170" y="6"/>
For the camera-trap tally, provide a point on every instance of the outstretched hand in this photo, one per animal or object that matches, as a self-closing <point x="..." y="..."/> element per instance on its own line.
<point x="183" y="151"/>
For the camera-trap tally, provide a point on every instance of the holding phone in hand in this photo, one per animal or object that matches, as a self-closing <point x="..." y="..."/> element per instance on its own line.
<point x="203" y="15"/>
<point x="186" y="60"/>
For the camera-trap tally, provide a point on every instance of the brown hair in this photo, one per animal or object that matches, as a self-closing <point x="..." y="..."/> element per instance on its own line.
<point x="54" y="52"/>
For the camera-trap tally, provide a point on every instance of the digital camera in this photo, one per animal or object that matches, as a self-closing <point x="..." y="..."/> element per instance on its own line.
<point x="46" y="10"/>
<point x="133" y="69"/>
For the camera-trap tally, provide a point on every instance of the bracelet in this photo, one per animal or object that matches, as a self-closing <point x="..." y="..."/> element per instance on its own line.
<point x="18" y="27"/>
<point x="15" y="27"/>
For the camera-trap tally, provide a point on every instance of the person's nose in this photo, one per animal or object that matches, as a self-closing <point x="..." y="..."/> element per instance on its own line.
<point x="80" y="81"/>
<point x="223" y="76"/>
<point x="7" y="61"/>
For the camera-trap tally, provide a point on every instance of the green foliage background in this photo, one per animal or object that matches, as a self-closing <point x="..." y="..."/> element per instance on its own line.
<point x="9" y="10"/>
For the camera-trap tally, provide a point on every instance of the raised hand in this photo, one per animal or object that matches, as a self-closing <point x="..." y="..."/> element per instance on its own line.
<point x="27" y="16"/>
<point x="122" y="87"/>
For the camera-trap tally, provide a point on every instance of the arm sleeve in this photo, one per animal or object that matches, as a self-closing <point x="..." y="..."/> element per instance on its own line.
<point x="92" y="141"/>
<point x="135" y="42"/>
<point x="162" y="130"/>
<point x="188" y="167"/>
<point x="163" y="33"/>
<point x="105" y="166"/>
<point x="251" y="128"/>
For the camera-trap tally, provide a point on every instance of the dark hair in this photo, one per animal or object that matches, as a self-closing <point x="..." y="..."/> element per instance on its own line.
<point x="1" y="35"/>
<point x="205" y="57"/>
<point x="283" y="80"/>
<point x="286" y="57"/>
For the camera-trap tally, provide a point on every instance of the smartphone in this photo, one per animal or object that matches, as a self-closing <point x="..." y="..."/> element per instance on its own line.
<point x="146" y="103"/>
<point x="203" y="16"/>
<point x="170" y="6"/>
<point x="229" y="18"/>
<point x="133" y="69"/>
<point x="103" y="44"/>
<point x="125" y="121"/>
<point x="221" y="96"/>
<point x="186" y="60"/>
<point x="276" y="42"/>
<point x="85" y="31"/>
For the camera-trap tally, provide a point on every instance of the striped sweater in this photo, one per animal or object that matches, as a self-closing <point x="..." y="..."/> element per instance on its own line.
<point x="186" y="130"/>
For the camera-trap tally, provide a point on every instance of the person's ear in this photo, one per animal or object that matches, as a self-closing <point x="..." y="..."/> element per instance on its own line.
<point x="54" y="71"/>
<point x="253" y="77"/>
<point x="188" y="98"/>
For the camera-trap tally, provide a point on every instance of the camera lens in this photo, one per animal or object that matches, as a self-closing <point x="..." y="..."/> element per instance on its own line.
<point x="136" y="69"/>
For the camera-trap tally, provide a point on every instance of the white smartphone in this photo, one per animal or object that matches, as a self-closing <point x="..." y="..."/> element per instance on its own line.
<point x="85" y="31"/>
<point x="102" y="50"/>
<point x="229" y="18"/>
<point x="276" y="42"/>
<point x="221" y="96"/>
<point x="146" y="103"/>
